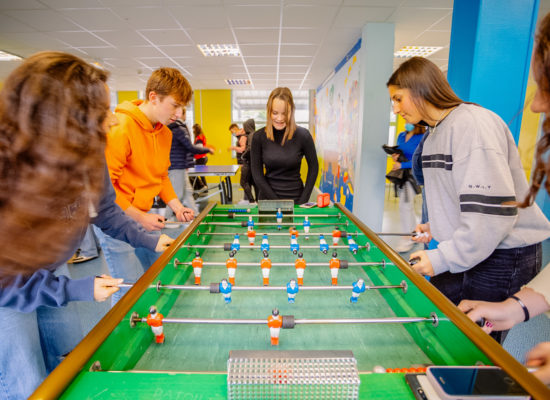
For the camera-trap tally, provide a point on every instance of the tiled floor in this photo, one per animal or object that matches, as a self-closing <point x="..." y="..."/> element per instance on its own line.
<point x="520" y="339"/>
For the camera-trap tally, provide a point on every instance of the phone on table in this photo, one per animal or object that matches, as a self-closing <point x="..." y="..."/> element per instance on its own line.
<point x="309" y="204"/>
<point x="474" y="383"/>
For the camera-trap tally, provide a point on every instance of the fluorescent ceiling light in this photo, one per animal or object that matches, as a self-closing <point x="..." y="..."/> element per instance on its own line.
<point x="215" y="50"/>
<point x="416" y="51"/>
<point x="4" y="56"/>
<point x="237" y="81"/>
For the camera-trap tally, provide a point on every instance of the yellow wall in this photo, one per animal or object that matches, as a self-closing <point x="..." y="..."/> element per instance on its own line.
<point x="528" y="133"/>
<point x="213" y="112"/>
<point x="126" y="95"/>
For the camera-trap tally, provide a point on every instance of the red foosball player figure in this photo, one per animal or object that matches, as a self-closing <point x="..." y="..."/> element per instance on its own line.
<point x="251" y="236"/>
<point x="300" y="268"/>
<point x="231" y="265"/>
<point x="154" y="320"/>
<point x="265" y="264"/>
<point x="275" y="322"/>
<point x="336" y="235"/>
<point x="197" y="268"/>
<point x="334" y="265"/>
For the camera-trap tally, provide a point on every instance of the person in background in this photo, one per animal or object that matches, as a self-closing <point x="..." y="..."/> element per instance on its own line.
<point x="533" y="298"/>
<point x="247" y="182"/>
<point x="488" y="248"/>
<point x="54" y="113"/>
<point x="280" y="147"/>
<point x="199" y="183"/>
<point x="138" y="157"/>
<point x="407" y="142"/>
<point x="181" y="158"/>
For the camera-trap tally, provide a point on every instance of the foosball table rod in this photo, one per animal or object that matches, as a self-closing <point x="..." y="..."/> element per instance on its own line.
<point x="214" y="287"/>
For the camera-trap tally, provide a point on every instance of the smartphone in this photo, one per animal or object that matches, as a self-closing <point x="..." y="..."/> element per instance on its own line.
<point x="308" y="205"/>
<point x="474" y="383"/>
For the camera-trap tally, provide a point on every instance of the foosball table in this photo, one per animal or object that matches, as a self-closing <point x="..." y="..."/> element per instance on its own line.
<point x="277" y="302"/>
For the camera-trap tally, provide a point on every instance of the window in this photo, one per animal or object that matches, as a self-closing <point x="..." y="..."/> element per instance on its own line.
<point x="248" y="104"/>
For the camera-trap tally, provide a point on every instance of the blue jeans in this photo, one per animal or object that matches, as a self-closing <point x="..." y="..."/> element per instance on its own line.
<point x="33" y="344"/>
<point x="127" y="262"/>
<point x="88" y="246"/>
<point x="496" y="278"/>
<point x="183" y="189"/>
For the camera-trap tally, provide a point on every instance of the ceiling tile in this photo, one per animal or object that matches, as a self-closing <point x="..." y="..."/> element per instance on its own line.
<point x="43" y="20"/>
<point x="200" y="16"/>
<point x="184" y="50"/>
<point x="254" y="16"/>
<point x="29" y="40"/>
<point x="78" y="39"/>
<point x="94" y="19"/>
<point x="257" y="35"/>
<point x="258" y="50"/>
<point x="10" y="24"/>
<point x="357" y="17"/>
<point x="59" y="4"/>
<point x="298" y="49"/>
<point x="147" y="17"/>
<point x="308" y="16"/>
<point x="21" y="5"/>
<point x="166" y="37"/>
<point x="210" y="36"/>
<point x="123" y="38"/>
<point x="303" y="35"/>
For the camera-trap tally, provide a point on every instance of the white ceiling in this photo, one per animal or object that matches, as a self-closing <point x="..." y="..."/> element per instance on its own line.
<point x="294" y="43"/>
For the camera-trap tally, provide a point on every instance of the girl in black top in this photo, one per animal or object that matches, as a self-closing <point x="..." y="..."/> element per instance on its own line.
<point x="280" y="147"/>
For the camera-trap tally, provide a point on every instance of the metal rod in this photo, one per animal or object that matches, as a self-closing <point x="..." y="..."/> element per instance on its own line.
<point x="329" y="234"/>
<point x="277" y="246"/>
<point x="247" y="264"/>
<point x="396" y="320"/>
<point x="270" y="223"/>
<point x="396" y="234"/>
<point x="245" y="215"/>
<point x="262" y="288"/>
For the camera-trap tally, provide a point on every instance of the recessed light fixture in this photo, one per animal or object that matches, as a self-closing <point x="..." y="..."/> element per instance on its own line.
<point x="237" y="81"/>
<point x="5" y="56"/>
<point x="416" y="51"/>
<point x="216" y="50"/>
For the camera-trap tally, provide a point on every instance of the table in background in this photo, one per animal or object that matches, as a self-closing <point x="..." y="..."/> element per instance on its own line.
<point x="224" y="173"/>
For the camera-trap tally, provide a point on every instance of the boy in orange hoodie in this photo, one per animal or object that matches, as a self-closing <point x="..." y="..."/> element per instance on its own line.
<point x="138" y="157"/>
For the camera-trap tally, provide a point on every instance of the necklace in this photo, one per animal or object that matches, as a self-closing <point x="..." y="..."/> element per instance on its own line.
<point x="445" y="112"/>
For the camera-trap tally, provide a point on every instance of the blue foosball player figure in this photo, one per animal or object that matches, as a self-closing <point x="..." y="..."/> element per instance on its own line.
<point x="323" y="245"/>
<point x="236" y="245"/>
<point x="250" y="224"/>
<point x="291" y="289"/>
<point x="225" y="289"/>
<point x="307" y="225"/>
<point x="353" y="247"/>
<point x="265" y="243"/>
<point x="279" y="216"/>
<point x="358" y="288"/>
<point x="294" y="246"/>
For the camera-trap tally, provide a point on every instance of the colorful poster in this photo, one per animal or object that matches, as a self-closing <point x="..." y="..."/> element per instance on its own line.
<point x="337" y="129"/>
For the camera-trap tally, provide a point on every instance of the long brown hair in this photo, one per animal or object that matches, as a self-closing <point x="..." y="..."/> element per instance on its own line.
<point x="541" y="68"/>
<point x="284" y="94"/>
<point x="197" y="130"/>
<point x="426" y="83"/>
<point x="52" y="141"/>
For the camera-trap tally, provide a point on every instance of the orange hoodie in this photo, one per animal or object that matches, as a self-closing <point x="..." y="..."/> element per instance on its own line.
<point x="138" y="157"/>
